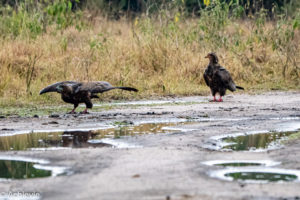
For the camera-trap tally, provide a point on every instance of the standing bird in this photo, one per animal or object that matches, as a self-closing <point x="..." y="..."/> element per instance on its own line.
<point x="81" y="92"/>
<point x="218" y="78"/>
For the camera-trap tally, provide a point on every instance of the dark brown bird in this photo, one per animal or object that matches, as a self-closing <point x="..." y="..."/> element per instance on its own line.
<point x="218" y="78"/>
<point x="81" y="92"/>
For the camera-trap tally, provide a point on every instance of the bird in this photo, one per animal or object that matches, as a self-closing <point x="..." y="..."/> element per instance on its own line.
<point x="74" y="92"/>
<point x="218" y="78"/>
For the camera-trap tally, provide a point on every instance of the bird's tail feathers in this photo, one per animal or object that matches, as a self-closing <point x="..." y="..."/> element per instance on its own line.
<point x="232" y="87"/>
<point x="127" y="88"/>
<point x="239" y="87"/>
<point x="94" y="96"/>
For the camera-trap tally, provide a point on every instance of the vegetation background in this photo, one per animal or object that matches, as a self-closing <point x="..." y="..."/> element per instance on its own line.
<point x="156" y="46"/>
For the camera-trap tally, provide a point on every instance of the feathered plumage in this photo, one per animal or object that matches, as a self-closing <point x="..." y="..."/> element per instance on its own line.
<point x="81" y="92"/>
<point x="218" y="78"/>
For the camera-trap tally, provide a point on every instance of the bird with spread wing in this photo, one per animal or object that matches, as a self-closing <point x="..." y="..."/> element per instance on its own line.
<point x="74" y="92"/>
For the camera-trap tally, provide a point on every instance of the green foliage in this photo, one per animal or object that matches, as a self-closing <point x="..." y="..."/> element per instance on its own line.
<point x="60" y="13"/>
<point x="30" y="18"/>
<point x="282" y="38"/>
<point x="21" y="22"/>
<point x="117" y="8"/>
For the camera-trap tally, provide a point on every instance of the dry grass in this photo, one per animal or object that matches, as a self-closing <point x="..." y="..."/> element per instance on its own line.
<point x="157" y="58"/>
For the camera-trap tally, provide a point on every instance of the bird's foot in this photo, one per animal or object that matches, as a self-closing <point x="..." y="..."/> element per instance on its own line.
<point x="213" y="100"/>
<point x="220" y="100"/>
<point x="84" y="112"/>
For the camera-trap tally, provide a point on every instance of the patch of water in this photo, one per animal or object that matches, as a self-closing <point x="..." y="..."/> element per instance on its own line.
<point x="101" y="126"/>
<point x="241" y="163"/>
<point x="20" y="195"/>
<point x="114" y="143"/>
<point x="85" y="138"/>
<point x="256" y="142"/>
<point x="24" y="168"/>
<point x="256" y="175"/>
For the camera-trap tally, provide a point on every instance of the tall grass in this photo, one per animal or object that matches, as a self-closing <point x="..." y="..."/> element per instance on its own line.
<point x="160" y="55"/>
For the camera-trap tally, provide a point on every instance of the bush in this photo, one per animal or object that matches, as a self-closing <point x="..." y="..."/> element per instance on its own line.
<point x="30" y="19"/>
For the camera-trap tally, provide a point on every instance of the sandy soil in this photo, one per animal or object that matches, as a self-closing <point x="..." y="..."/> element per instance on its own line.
<point x="168" y="166"/>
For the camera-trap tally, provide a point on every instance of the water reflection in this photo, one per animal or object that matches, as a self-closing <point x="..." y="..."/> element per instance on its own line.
<point x="79" y="139"/>
<point x="241" y="163"/>
<point x="11" y="169"/>
<point x="255" y="141"/>
<point x="238" y="164"/>
<point x="261" y="176"/>
<point x="256" y="174"/>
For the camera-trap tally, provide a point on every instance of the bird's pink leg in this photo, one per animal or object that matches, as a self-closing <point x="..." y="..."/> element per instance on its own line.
<point x="213" y="100"/>
<point x="220" y="99"/>
<point x="85" y="111"/>
<point x="72" y="111"/>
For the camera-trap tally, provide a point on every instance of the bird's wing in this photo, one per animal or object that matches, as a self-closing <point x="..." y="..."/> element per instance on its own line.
<point x="53" y="87"/>
<point x="207" y="76"/>
<point x="207" y="79"/>
<point x="95" y="87"/>
<point x="224" y="78"/>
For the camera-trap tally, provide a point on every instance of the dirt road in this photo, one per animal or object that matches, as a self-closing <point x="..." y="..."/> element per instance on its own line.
<point x="164" y="166"/>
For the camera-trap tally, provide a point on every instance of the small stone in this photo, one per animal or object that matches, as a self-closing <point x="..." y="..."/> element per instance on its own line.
<point x="150" y="113"/>
<point x="7" y="129"/>
<point x="136" y="176"/>
<point x="53" y="122"/>
<point x="54" y="116"/>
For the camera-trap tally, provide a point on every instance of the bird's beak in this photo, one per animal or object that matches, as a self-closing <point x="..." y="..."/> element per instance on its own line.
<point x="206" y="56"/>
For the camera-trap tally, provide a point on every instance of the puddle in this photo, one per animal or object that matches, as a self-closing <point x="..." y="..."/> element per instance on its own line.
<point x="261" y="176"/>
<point x="101" y="126"/>
<point x="25" y="168"/>
<point x="257" y="175"/>
<point x="254" y="142"/>
<point x="114" y="143"/>
<point x="251" y="141"/>
<point x="241" y="163"/>
<point x="20" y="195"/>
<point x="107" y="137"/>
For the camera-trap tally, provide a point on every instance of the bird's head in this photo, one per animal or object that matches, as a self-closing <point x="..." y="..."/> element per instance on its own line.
<point x="213" y="58"/>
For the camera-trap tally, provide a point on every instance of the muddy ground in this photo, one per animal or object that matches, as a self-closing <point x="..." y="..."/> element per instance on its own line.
<point x="167" y="166"/>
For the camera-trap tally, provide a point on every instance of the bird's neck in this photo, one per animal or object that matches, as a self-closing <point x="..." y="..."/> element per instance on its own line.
<point x="67" y="93"/>
<point x="68" y="90"/>
<point x="213" y="62"/>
